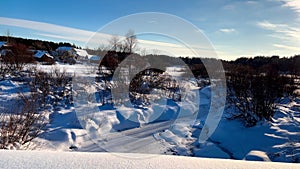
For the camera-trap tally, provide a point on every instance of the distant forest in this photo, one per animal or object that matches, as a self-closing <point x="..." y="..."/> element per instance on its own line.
<point x="283" y="65"/>
<point x="35" y="43"/>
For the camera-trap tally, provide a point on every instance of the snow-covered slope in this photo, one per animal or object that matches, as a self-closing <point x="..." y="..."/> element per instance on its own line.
<point x="128" y="131"/>
<point x="45" y="160"/>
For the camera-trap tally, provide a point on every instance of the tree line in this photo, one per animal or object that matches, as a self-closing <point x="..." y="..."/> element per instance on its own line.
<point x="35" y="44"/>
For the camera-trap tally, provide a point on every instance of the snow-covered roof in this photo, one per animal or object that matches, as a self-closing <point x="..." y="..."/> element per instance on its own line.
<point x="41" y="53"/>
<point x="78" y="52"/>
<point x="2" y="43"/>
<point x="64" y="48"/>
<point x="81" y="52"/>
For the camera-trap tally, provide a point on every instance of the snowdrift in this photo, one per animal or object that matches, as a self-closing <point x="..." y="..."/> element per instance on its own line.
<point x="49" y="159"/>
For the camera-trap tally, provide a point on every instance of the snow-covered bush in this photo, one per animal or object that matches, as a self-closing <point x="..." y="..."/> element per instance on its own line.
<point x="51" y="88"/>
<point x="153" y="83"/>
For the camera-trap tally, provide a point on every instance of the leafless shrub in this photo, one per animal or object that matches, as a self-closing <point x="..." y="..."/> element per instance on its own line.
<point x="19" y="128"/>
<point x="52" y="87"/>
<point x="254" y="94"/>
<point x="12" y="69"/>
<point x="60" y="78"/>
<point x="3" y="70"/>
<point x="152" y="82"/>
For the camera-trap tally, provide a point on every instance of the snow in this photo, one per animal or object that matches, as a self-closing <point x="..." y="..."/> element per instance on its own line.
<point x="8" y="92"/>
<point x="64" y="48"/>
<point x="278" y="139"/>
<point x="7" y="84"/>
<point x="40" y="53"/>
<point x="175" y="71"/>
<point x="211" y="150"/>
<point x="81" y="52"/>
<point x="257" y="156"/>
<point x="94" y="57"/>
<point x="50" y="160"/>
<point x="156" y="129"/>
<point x="78" y="69"/>
<point x="2" y="43"/>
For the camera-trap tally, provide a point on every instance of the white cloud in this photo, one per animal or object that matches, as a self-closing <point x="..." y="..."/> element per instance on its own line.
<point x="292" y="48"/>
<point x="45" y="27"/>
<point x="289" y="37"/>
<point x="64" y="37"/>
<point x="252" y="2"/>
<point x="267" y="25"/>
<point x="282" y="31"/>
<point x="227" y="30"/>
<point x="92" y="39"/>
<point x="293" y="4"/>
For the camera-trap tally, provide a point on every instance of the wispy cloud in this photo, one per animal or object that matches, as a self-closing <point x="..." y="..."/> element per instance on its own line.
<point x="293" y="4"/>
<point x="268" y="25"/>
<point x="227" y="30"/>
<point x="92" y="39"/>
<point x="292" y="48"/>
<point x="281" y="31"/>
<point x="62" y="31"/>
<point x="251" y="2"/>
<point x="229" y="7"/>
<point x="289" y="36"/>
<point x="74" y="37"/>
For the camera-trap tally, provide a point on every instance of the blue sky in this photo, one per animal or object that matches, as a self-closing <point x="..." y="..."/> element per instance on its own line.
<point x="234" y="27"/>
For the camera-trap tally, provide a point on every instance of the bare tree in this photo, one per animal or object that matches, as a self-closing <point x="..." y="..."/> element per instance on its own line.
<point x="115" y="42"/>
<point x="103" y="47"/>
<point x="128" y="45"/>
<point x="130" y="41"/>
<point x="143" y="52"/>
<point x="8" y="35"/>
<point x="155" y="52"/>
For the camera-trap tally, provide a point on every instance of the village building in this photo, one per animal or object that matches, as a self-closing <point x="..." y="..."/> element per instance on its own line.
<point x="44" y="57"/>
<point x="71" y="55"/>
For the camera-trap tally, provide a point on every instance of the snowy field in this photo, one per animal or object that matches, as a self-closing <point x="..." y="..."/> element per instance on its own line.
<point x="62" y="160"/>
<point x="126" y="129"/>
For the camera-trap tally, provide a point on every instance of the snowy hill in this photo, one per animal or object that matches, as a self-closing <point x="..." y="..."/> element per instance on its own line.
<point x="127" y="131"/>
<point x="62" y="160"/>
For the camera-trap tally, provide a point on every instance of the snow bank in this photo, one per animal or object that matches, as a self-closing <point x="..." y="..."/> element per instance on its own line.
<point x="39" y="159"/>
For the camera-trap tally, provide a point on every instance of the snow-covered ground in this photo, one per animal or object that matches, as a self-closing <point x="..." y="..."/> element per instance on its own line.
<point x="62" y="160"/>
<point x="153" y="130"/>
